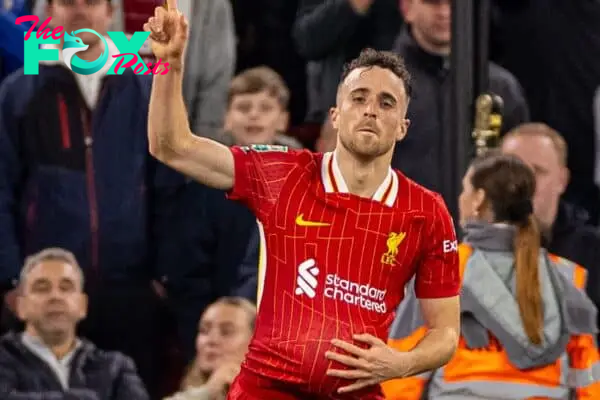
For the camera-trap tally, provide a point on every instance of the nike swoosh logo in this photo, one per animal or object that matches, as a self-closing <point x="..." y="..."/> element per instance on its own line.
<point x="301" y="222"/>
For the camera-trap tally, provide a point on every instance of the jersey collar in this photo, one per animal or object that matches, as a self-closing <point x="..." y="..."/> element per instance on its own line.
<point x="333" y="181"/>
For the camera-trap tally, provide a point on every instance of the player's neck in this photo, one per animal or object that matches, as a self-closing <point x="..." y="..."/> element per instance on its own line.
<point x="362" y="178"/>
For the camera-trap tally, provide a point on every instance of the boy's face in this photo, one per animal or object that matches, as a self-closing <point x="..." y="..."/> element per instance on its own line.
<point x="255" y="118"/>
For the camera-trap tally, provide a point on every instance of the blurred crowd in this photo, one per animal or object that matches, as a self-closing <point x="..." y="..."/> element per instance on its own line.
<point x="155" y="277"/>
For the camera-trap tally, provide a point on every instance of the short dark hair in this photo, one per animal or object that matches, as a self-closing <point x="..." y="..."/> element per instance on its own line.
<point x="258" y="79"/>
<point x="369" y="58"/>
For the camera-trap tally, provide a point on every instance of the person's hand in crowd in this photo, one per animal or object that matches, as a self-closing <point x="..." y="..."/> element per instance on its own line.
<point x="361" y="6"/>
<point x="220" y="380"/>
<point x="168" y="34"/>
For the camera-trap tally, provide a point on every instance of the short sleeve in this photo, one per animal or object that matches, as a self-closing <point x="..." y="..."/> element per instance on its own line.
<point x="260" y="172"/>
<point x="438" y="274"/>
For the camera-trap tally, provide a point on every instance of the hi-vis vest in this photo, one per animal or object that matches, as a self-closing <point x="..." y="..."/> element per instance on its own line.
<point x="489" y="372"/>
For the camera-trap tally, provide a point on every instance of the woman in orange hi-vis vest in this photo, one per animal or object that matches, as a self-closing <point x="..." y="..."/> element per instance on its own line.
<point x="527" y="329"/>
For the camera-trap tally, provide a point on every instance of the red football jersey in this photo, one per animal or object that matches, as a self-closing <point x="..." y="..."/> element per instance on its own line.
<point x="333" y="264"/>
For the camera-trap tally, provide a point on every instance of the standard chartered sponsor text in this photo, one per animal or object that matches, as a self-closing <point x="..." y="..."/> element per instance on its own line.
<point x="364" y="296"/>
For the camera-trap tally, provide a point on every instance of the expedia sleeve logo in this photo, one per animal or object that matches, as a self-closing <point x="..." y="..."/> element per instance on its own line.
<point x="450" y="246"/>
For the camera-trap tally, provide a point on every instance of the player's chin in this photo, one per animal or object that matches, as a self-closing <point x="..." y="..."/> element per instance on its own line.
<point x="367" y="149"/>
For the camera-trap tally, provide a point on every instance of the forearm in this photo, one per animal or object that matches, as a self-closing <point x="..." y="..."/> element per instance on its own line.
<point x="168" y="125"/>
<point x="433" y="351"/>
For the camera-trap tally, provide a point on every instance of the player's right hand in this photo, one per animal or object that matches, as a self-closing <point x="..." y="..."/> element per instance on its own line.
<point x="168" y="33"/>
<point x="221" y="378"/>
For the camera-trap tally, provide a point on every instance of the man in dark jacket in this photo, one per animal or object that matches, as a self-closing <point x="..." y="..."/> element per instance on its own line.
<point x="425" y="46"/>
<point x="75" y="172"/>
<point x="47" y="361"/>
<point x="565" y="229"/>
<point x="333" y="32"/>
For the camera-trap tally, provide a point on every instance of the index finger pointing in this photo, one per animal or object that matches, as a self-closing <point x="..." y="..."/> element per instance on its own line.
<point x="171" y="4"/>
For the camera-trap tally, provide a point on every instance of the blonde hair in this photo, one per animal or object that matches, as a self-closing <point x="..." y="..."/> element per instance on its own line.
<point x="543" y="130"/>
<point x="194" y="377"/>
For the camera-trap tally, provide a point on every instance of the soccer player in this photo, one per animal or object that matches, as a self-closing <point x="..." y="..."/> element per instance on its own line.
<point x="342" y="234"/>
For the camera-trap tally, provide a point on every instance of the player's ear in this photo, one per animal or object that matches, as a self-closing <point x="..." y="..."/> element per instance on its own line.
<point x="402" y="129"/>
<point x="333" y="117"/>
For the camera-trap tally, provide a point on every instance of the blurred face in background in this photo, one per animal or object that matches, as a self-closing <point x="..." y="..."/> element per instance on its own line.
<point x="327" y="138"/>
<point x="52" y="302"/>
<point x="224" y="334"/>
<point x="551" y="174"/>
<point x="255" y="118"/>
<point x="370" y="115"/>
<point x="471" y="201"/>
<point x="80" y="14"/>
<point x="430" y="21"/>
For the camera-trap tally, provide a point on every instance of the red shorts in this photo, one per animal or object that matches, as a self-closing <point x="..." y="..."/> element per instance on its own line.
<point x="248" y="386"/>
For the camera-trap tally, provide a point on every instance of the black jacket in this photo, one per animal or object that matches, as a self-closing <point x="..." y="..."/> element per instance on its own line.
<point x="574" y="239"/>
<point x="330" y="32"/>
<point x="423" y="155"/>
<point x="95" y="375"/>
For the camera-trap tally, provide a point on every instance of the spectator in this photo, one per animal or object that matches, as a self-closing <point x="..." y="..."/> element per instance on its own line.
<point x="327" y="138"/>
<point x="425" y="46"/>
<point x="566" y="231"/>
<point x="527" y="329"/>
<point x="224" y="333"/>
<point x="48" y="361"/>
<point x="210" y="58"/>
<point x="75" y="172"/>
<point x="213" y="232"/>
<point x="335" y="31"/>
<point x="263" y="38"/>
<point x="257" y="109"/>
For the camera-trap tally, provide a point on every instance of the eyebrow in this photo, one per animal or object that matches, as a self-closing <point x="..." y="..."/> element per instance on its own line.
<point x="40" y="281"/>
<point x="385" y="95"/>
<point x="359" y="91"/>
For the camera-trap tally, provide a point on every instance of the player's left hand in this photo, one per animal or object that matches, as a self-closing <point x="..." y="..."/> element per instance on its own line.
<point x="370" y="366"/>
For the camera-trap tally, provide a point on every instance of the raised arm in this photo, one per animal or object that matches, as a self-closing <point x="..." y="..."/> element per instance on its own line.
<point x="170" y="138"/>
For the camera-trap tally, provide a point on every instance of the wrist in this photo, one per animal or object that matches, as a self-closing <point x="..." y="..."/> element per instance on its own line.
<point x="405" y="362"/>
<point x="175" y="64"/>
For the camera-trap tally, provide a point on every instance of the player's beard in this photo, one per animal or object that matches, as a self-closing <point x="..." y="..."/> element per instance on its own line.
<point x="364" y="148"/>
